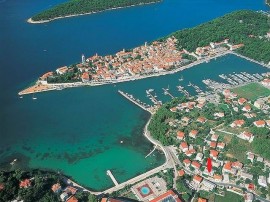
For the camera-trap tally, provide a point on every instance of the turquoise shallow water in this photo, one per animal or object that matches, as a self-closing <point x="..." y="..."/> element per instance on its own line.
<point x="78" y="131"/>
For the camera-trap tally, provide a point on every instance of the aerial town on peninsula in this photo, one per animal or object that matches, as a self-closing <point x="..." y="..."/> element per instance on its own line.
<point x="215" y="142"/>
<point x="158" y="58"/>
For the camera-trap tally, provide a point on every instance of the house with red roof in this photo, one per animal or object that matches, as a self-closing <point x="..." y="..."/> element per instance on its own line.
<point x="190" y="152"/>
<point x="72" y="199"/>
<point x="238" y="123"/>
<point x="56" y="188"/>
<point x="242" y="101"/>
<point x="214" y="137"/>
<point x="202" y="200"/>
<point x="220" y="145"/>
<point x="246" y="108"/>
<point x="173" y="109"/>
<point x="217" y="178"/>
<point x="259" y="123"/>
<point x="214" y="154"/>
<point x="184" y="146"/>
<point x="181" y="172"/>
<point x="227" y="168"/>
<point x="180" y="135"/>
<point x="71" y="190"/>
<point x="265" y="82"/>
<point x="246" y="136"/>
<point x="213" y="144"/>
<point x="193" y="133"/>
<point x="85" y="77"/>
<point x="201" y="120"/>
<point x="196" y="165"/>
<point x="197" y="179"/>
<point x="167" y="196"/>
<point x="62" y="70"/>
<point x="187" y="162"/>
<point x="237" y="165"/>
<point x="25" y="183"/>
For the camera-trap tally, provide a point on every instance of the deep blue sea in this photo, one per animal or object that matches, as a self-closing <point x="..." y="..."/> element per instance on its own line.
<point x="78" y="131"/>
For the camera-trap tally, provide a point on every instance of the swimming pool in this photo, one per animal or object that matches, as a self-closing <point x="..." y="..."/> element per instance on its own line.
<point x="145" y="190"/>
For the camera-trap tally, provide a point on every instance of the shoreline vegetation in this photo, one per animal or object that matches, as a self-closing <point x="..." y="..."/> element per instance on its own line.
<point x="74" y="8"/>
<point x="243" y="32"/>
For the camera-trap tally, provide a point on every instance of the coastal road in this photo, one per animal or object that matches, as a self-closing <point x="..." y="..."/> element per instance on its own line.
<point x="175" y="158"/>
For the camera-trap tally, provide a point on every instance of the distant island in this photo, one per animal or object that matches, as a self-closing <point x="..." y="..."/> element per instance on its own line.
<point x="81" y="7"/>
<point x="245" y="32"/>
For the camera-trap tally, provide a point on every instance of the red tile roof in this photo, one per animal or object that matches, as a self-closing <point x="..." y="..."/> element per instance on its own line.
<point x="25" y="183"/>
<point x="196" y="164"/>
<point x="202" y="200"/>
<point x="259" y="123"/>
<point x="213" y="153"/>
<point x="181" y="172"/>
<point x="228" y="166"/>
<point x="180" y="134"/>
<point x="197" y="178"/>
<point x="72" y="199"/>
<point x="213" y="144"/>
<point x="56" y="187"/>
<point x="217" y="177"/>
<point x="166" y="195"/>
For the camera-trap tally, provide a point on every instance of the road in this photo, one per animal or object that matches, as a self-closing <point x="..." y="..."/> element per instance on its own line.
<point x="175" y="158"/>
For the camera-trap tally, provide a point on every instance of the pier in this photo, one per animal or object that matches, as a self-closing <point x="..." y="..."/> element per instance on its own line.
<point x="109" y="173"/>
<point x="136" y="102"/>
<point x="251" y="60"/>
<point x="166" y="92"/>
<point x="153" y="97"/>
<point x="151" y="151"/>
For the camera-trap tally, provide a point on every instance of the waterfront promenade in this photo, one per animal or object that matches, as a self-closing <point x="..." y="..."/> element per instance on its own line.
<point x="37" y="88"/>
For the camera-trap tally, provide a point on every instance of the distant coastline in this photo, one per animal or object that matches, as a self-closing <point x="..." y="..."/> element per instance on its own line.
<point x="267" y="2"/>
<point x="30" y="20"/>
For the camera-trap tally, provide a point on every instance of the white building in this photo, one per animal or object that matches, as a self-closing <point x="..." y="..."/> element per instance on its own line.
<point x="262" y="181"/>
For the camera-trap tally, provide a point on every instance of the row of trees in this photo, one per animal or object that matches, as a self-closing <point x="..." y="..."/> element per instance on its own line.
<point x="239" y="27"/>
<point x="74" y="7"/>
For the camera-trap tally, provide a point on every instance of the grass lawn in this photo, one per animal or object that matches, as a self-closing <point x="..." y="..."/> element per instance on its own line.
<point x="237" y="148"/>
<point x="229" y="197"/>
<point x="252" y="91"/>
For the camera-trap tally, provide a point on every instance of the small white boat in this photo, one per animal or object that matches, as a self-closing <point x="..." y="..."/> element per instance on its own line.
<point x="13" y="162"/>
<point x="21" y="97"/>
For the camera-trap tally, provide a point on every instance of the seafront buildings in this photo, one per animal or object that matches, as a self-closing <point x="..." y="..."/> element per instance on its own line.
<point x="156" y="58"/>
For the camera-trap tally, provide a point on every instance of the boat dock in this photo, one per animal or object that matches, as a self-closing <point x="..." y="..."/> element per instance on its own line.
<point x="136" y="102"/>
<point x="166" y="92"/>
<point x="109" y="173"/>
<point x="182" y="90"/>
<point x="153" y="98"/>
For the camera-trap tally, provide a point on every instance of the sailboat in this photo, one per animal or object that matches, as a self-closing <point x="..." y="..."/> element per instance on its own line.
<point x="181" y="79"/>
<point x="34" y="98"/>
